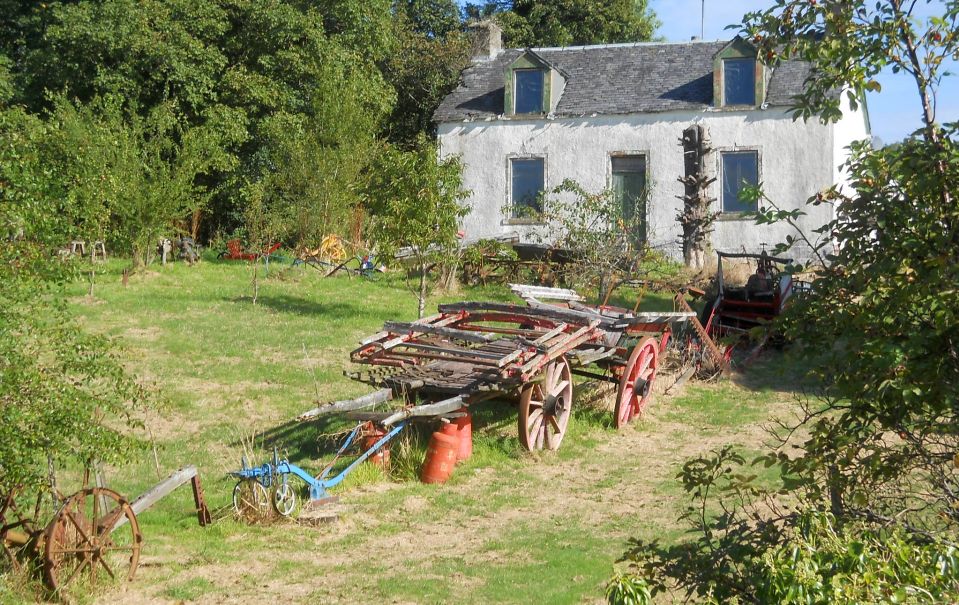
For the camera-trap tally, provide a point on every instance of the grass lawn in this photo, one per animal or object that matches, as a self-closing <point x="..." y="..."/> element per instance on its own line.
<point x="509" y="527"/>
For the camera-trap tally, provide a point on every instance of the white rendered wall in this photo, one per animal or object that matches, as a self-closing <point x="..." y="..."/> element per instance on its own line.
<point x="797" y="159"/>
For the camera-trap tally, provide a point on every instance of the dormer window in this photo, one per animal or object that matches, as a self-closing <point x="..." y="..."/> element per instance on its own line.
<point x="533" y="86"/>
<point x="739" y="81"/>
<point x="530" y="85"/>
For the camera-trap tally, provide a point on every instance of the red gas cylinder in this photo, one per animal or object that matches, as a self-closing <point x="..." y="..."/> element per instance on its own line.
<point x="371" y="435"/>
<point x="464" y="430"/>
<point x="440" y="456"/>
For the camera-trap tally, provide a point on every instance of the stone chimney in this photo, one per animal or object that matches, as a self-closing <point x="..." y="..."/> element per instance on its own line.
<point x="487" y="39"/>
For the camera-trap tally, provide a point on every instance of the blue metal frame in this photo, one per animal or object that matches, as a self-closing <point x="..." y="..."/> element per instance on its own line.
<point x="275" y="471"/>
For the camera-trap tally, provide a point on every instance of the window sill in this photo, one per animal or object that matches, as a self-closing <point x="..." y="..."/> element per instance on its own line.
<point x="743" y="215"/>
<point x="530" y="222"/>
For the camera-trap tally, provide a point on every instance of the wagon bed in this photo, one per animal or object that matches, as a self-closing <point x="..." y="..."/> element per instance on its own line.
<point x="474" y="351"/>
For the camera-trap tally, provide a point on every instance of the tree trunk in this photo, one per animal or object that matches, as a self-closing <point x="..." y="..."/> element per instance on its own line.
<point x="256" y="285"/>
<point x="422" y="300"/>
<point x="195" y="221"/>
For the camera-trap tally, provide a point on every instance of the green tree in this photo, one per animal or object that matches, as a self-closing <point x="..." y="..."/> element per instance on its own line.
<point x="414" y="203"/>
<point x="234" y="64"/>
<point x="141" y="174"/>
<point x="64" y="395"/>
<point x="430" y="53"/>
<point x="529" y="23"/>
<point x="874" y="469"/>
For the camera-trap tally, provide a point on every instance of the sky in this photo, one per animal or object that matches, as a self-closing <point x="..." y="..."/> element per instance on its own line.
<point x="894" y="112"/>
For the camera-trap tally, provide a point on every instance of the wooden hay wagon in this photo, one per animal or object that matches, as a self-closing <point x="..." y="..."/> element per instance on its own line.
<point x="476" y="351"/>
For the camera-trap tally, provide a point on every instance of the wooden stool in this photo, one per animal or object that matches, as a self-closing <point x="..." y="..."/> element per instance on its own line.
<point x="99" y="249"/>
<point x="78" y="247"/>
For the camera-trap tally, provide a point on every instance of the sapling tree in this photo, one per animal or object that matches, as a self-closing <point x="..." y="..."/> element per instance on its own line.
<point x="414" y="201"/>
<point x="605" y="232"/>
<point x="266" y="221"/>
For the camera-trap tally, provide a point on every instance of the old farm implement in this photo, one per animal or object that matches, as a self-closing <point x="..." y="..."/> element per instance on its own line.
<point x="91" y="535"/>
<point x="475" y="351"/>
<point x="737" y="309"/>
<point x="471" y="352"/>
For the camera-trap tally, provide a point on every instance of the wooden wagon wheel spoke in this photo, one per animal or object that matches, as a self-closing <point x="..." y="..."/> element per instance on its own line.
<point x="545" y="406"/>
<point x="636" y="382"/>
<point x="557" y="390"/>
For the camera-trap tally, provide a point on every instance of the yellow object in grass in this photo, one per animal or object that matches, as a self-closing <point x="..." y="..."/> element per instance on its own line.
<point x="332" y="248"/>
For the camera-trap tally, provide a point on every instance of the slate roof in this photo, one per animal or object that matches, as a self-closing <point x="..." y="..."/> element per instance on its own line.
<point x="614" y="80"/>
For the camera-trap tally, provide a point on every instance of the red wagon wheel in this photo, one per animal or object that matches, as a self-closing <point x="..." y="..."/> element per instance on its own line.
<point x="635" y="386"/>
<point x="545" y="406"/>
<point x="81" y="541"/>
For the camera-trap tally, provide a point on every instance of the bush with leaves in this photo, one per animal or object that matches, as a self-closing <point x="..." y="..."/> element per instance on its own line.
<point x="64" y="396"/>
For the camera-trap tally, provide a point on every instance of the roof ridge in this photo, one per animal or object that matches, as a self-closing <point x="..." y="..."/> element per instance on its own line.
<point x="619" y="45"/>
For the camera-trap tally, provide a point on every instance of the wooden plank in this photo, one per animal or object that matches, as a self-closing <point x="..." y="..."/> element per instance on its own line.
<point x="157" y="492"/>
<point x="551" y="334"/>
<point x="588" y="357"/>
<point x="452" y="350"/>
<point x="551" y="313"/>
<point x="524" y="290"/>
<point x="432" y="409"/>
<point x="467" y="335"/>
<point x="347" y="405"/>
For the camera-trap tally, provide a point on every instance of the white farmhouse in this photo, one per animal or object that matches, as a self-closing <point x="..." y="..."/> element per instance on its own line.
<point x="612" y="116"/>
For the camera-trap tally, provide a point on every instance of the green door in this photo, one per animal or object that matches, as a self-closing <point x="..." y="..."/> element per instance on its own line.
<point x="629" y="187"/>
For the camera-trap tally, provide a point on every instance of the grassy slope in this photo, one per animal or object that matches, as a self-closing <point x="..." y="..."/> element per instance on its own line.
<point x="509" y="527"/>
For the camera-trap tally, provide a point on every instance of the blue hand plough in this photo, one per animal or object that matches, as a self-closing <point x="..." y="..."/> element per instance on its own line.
<point x="262" y="490"/>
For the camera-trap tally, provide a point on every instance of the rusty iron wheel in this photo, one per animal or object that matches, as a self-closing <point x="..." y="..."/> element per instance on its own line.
<point x="94" y="537"/>
<point x="545" y="407"/>
<point x="636" y="382"/>
<point x="251" y="501"/>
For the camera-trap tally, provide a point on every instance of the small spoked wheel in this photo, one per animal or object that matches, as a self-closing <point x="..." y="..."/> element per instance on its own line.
<point x="636" y="383"/>
<point x="94" y="537"/>
<point x="251" y="501"/>
<point x="545" y="407"/>
<point x="284" y="499"/>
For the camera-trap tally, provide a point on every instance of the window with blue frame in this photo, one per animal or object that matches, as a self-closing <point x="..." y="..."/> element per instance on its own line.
<point x="527" y="184"/>
<point x="528" y="93"/>
<point x="739" y="81"/>
<point x="739" y="169"/>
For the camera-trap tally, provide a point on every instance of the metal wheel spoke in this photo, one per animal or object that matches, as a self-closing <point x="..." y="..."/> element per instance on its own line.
<point x="75" y="571"/>
<point x="80" y="531"/>
<point x="106" y="567"/>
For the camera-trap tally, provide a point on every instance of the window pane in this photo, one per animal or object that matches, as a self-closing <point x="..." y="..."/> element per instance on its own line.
<point x="629" y="163"/>
<point x="740" y="81"/>
<point x="527" y="186"/>
<point x="739" y="168"/>
<point x="529" y="90"/>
